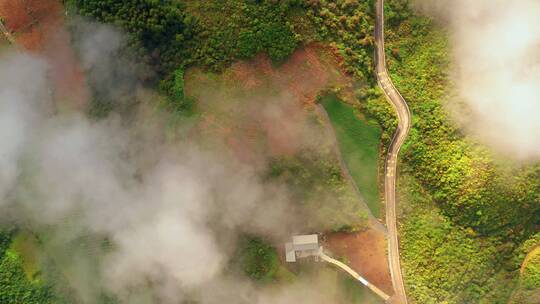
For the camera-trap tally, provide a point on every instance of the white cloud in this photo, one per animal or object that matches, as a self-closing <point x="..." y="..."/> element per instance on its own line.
<point x="496" y="46"/>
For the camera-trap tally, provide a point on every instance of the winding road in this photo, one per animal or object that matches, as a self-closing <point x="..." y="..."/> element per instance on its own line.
<point x="390" y="167"/>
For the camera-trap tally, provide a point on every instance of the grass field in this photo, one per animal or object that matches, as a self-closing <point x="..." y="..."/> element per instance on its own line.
<point x="359" y="144"/>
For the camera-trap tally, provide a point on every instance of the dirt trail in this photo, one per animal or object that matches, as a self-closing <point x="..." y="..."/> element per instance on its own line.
<point x="366" y="253"/>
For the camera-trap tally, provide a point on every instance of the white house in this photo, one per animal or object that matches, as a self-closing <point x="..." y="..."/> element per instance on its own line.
<point x="302" y="246"/>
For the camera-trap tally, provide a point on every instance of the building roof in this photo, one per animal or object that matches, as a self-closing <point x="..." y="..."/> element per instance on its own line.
<point x="305" y="239"/>
<point x="290" y="254"/>
<point x="302" y="246"/>
<point x="306" y="242"/>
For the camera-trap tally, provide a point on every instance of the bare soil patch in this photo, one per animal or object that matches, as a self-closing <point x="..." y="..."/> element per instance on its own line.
<point x="365" y="252"/>
<point x="15" y="15"/>
<point x="256" y="97"/>
<point x="38" y="26"/>
<point x="31" y="39"/>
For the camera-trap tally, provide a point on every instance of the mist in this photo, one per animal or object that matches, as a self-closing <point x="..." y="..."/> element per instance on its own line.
<point x="496" y="51"/>
<point x="171" y="211"/>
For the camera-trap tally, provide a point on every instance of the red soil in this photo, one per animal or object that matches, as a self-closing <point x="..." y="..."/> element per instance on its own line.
<point x="306" y="74"/>
<point x="272" y="98"/>
<point x="365" y="253"/>
<point x="16" y="17"/>
<point x="308" y="71"/>
<point x="38" y="26"/>
<point x="31" y="39"/>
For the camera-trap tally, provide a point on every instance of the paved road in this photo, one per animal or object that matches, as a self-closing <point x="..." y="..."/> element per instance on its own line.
<point x="404" y="116"/>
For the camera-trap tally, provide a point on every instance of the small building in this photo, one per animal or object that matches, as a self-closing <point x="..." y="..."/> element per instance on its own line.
<point x="302" y="246"/>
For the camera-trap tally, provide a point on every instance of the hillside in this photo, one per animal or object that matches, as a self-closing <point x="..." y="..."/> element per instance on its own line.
<point x="165" y="151"/>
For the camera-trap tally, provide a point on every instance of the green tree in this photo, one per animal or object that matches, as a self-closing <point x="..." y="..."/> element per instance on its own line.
<point x="258" y="259"/>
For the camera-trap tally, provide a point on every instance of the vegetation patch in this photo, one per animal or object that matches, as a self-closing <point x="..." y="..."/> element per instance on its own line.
<point x="359" y="142"/>
<point x="530" y="276"/>
<point x="6" y="237"/>
<point x="472" y="210"/>
<point x="25" y="244"/>
<point x="233" y="29"/>
<point x="318" y="186"/>
<point x="15" y="286"/>
<point x="258" y="259"/>
<point x="464" y="178"/>
<point x="349" y="27"/>
<point x="442" y="262"/>
<point x="159" y="30"/>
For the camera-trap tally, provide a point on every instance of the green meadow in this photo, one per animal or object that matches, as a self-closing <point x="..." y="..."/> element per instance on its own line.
<point x="358" y="141"/>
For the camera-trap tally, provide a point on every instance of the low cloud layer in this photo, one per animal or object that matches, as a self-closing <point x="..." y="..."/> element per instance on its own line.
<point x="496" y="45"/>
<point x="172" y="212"/>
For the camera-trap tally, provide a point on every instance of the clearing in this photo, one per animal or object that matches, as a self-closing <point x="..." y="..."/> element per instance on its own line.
<point x="365" y="252"/>
<point x="267" y="116"/>
<point x="359" y="142"/>
<point x="265" y="112"/>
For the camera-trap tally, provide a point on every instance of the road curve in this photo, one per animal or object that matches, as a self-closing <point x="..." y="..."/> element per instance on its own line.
<point x="390" y="166"/>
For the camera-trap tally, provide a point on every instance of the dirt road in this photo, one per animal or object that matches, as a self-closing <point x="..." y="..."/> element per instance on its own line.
<point x="355" y="275"/>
